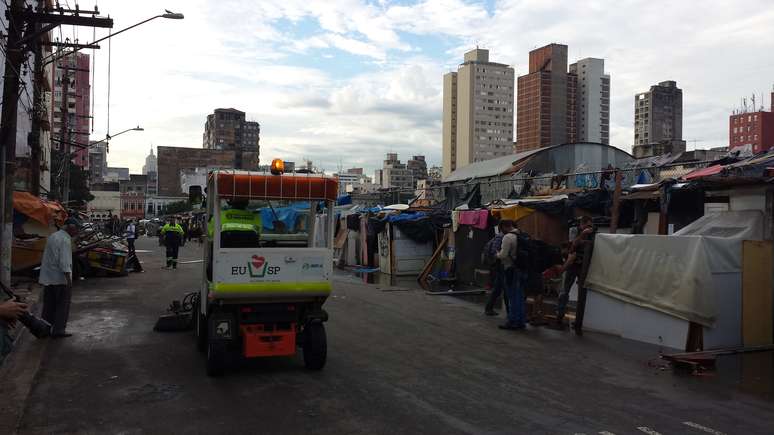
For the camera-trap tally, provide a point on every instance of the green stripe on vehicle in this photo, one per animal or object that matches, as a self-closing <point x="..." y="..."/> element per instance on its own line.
<point x="285" y="287"/>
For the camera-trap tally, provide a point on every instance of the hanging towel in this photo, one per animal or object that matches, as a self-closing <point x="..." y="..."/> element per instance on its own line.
<point x="476" y="218"/>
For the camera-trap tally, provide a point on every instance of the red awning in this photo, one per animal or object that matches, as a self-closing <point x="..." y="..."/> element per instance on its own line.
<point x="704" y="172"/>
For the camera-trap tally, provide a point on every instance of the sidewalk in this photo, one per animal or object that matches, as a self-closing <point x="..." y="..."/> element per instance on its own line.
<point x="18" y="370"/>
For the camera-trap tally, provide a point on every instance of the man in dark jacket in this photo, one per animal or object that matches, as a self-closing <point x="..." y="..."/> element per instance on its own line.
<point x="496" y="271"/>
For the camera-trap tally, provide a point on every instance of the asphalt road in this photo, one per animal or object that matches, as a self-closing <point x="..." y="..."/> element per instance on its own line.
<point x="399" y="361"/>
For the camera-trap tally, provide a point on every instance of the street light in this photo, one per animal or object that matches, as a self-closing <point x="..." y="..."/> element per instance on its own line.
<point x="168" y="15"/>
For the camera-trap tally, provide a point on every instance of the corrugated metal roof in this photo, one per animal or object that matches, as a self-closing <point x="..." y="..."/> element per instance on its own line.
<point x="490" y="168"/>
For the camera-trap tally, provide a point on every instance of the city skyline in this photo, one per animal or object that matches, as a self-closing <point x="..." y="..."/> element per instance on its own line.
<point x="327" y="81"/>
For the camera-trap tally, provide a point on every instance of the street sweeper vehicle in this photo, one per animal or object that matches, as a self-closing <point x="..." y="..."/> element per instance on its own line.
<point x="267" y="266"/>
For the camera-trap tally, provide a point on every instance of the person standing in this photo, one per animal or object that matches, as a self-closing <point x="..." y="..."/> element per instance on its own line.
<point x="496" y="271"/>
<point x="172" y="234"/>
<point x="573" y="267"/>
<point x="514" y="282"/>
<point x="131" y="235"/>
<point x="56" y="278"/>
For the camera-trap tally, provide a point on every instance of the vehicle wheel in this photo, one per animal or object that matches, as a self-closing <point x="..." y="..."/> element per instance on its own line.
<point x="315" y="346"/>
<point x="216" y="358"/>
<point x="200" y="328"/>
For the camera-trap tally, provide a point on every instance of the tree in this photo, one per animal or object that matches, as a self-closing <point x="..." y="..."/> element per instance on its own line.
<point x="79" y="187"/>
<point x="177" y="207"/>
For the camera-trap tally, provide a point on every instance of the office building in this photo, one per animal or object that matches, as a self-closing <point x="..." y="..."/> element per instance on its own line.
<point x="658" y="117"/>
<point x="751" y="129"/>
<point x="227" y="129"/>
<point x="477" y="111"/>
<point x="395" y="174"/>
<point x="546" y="106"/>
<point x="173" y="159"/>
<point x="71" y="74"/>
<point x="592" y="99"/>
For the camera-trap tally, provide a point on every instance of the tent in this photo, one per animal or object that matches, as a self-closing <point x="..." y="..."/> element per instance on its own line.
<point x="649" y="288"/>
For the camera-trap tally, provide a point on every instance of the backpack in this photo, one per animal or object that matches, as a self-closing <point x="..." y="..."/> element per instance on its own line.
<point x="489" y="253"/>
<point x="524" y="251"/>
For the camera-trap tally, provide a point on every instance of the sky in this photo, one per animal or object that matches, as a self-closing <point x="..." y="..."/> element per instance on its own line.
<point x="342" y="82"/>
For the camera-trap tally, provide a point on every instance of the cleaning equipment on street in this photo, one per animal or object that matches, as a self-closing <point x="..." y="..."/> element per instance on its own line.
<point x="179" y="315"/>
<point x="268" y="264"/>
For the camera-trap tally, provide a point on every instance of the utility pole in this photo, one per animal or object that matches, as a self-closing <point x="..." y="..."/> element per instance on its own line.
<point x="24" y="27"/>
<point x="37" y="114"/>
<point x="13" y="62"/>
<point x="64" y="136"/>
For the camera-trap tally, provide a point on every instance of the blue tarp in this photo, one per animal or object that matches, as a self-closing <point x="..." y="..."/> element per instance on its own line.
<point x="286" y="215"/>
<point x="406" y="217"/>
<point x="344" y="200"/>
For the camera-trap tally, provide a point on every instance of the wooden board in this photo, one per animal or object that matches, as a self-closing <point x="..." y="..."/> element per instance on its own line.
<point x="757" y="293"/>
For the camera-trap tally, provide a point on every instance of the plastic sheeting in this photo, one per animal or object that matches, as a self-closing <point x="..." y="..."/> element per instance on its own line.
<point x="677" y="275"/>
<point x="45" y="212"/>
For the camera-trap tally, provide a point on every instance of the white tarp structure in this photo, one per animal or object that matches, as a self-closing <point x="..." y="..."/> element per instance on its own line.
<point x="648" y="287"/>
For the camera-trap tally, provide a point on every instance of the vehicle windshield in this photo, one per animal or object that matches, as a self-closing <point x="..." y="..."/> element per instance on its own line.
<point x="267" y="223"/>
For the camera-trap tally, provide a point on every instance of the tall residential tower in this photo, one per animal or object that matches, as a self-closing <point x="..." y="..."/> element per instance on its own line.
<point x="477" y="111"/>
<point x="546" y="100"/>
<point x="658" y="120"/>
<point x="592" y="98"/>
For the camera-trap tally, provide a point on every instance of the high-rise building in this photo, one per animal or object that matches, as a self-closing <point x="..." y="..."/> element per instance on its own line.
<point x="418" y="167"/>
<point x="592" y="99"/>
<point x="546" y="107"/>
<point x="477" y="111"/>
<point x="227" y="129"/>
<point x="71" y="73"/>
<point x="449" y="123"/>
<point x="658" y="114"/>
<point x="151" y="163"/>
<point x="751" y="130"/>
<point x="97" y="162"/>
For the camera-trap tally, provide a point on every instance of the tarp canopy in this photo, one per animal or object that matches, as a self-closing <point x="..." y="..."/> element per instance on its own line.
<point x="674" y="274"/>
<point x="45" y="212"/>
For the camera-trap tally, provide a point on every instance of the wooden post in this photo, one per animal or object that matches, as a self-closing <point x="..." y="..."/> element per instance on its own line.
<point x="580" y="310"/>
<point x="615" y="211"/>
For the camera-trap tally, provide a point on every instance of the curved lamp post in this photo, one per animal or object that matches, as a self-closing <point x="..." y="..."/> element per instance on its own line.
<point x="168" y="15"/>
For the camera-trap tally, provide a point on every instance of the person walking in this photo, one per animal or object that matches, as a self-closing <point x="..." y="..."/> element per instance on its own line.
<point x="56" y="278"/>
<point x="496" y="271"/>
<point x="514" y="282"/>
<point x="172" y="234"/>
<point x="573" y="267"/>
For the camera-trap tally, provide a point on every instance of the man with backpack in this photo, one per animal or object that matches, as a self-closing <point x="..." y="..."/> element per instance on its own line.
<point x="496" y="271"/>
<point x="514" y="277"/>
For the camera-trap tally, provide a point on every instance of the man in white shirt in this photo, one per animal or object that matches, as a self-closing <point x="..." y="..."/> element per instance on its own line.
<point x="56" y="278"/>
<point x="131" y="235"/>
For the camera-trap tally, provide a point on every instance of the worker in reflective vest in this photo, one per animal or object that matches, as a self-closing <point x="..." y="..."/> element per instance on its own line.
<point x="172" y="234"/>
<point x="237" y="218"/>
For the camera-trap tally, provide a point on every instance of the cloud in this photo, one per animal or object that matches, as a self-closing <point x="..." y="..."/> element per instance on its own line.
<point x="350" y="80"/>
